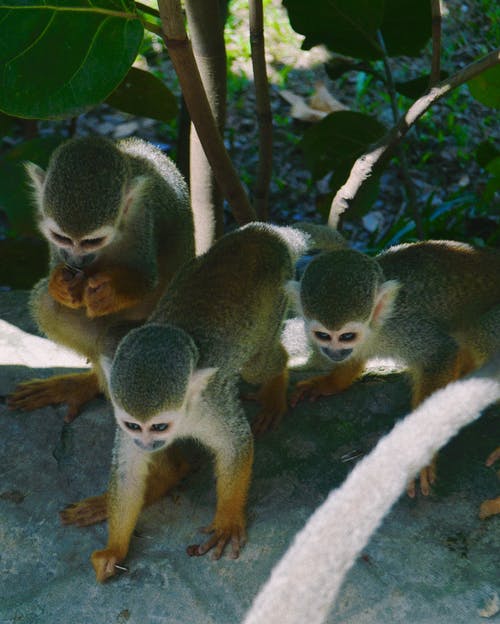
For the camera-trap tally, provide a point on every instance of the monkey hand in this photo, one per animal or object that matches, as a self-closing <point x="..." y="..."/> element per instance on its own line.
<point x="66" y="286"/>
<point x="313" y="388"/>
<point x="104" y="563"/>
<point x="106" y="292"/>
<point x="222" y="535"/>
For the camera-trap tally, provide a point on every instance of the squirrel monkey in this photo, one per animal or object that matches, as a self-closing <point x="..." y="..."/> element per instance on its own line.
<point x="434" y="305"/>
<point x="118" y="223"/>
<point x="176" y="377"/>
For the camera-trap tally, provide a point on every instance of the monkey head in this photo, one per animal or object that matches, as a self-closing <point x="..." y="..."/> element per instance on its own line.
<point x="343" y="299"/>
<point x="154" y="385"/>
<point x="82" y="197"/>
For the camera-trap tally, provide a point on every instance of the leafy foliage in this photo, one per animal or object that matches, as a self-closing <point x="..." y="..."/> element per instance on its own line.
<point x="60" y="60"/>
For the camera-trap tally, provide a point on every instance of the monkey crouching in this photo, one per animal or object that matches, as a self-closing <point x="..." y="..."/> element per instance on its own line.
<point x="177" y="377"/>
<point x="434" y="305"/>
<point x="119" y="225"/>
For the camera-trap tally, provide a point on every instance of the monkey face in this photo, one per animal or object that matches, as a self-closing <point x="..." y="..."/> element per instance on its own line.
<point x="77" y="252"/>
<point x="340" y="344"/>
<point x="151" y="435"/>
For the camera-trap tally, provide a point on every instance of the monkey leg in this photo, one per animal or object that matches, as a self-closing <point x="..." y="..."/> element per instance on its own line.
<point x="272" y="397"/>
<point x="75" y="389"/>
<point x="338" y="380"/>
<point x="229" y="524"/>
<point x="449" y="362"/>
<point x="268" y="368"/>
<point x="166" y="470"/>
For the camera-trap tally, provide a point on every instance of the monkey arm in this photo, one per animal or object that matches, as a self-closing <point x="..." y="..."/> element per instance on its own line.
<point x="233" y="468"/>
<point x="125" y="500"/>
<point x="339" y="379"/>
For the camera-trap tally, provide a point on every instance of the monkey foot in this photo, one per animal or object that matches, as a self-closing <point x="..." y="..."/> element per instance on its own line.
<point x="427" y="477"/>
<point x="489" y="508"/>
<point x="75" y="389"/>
<point x="222" y="536"/>
<point x="86" y="512"/>
<point x="105" y="563"/>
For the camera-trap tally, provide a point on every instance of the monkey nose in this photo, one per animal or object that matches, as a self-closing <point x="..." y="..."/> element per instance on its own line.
<point x="150" y="446"/>
<point x="81" y="261"/>
<point x="336" y="356"/>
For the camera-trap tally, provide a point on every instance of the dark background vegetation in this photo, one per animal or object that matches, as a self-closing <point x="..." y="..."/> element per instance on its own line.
<point x="447" y="172"/>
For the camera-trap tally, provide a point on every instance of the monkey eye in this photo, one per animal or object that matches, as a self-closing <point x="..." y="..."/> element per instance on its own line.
<point x="92" y="242"/>
<point x="65" y="240"/>
<point x="132" y="426"/>
<point x="347" y="337"/>
<point x="159" y="427"/>
<point x="323" y="336"/>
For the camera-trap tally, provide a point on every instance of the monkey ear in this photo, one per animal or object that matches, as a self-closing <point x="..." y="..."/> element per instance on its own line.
<point x="292" y="289"/>
<point x="133" y="192"/>
<point x="37" y="179"/>
<point x="198" y="382"/>
<point x="384" y="302"/>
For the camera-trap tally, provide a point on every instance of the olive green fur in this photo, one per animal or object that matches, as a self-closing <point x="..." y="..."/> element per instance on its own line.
<point x="231" y="301"/>
<point x="169" y="356"/>
<point x="340" y="286"/>
<point x="447" y="294"/>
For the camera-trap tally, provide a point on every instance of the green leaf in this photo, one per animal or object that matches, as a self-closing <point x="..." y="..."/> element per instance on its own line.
<point x="15" y="195"/>
<point x="345" y="26"/>
<point x="59" y="60"/>
<point x="24" y="262"/>
<point x="338" y="139"/>
<point x="406" y="26"/>
<point x="486" y="152"/>
<point x="486" y="87"/>
<point x="144" y="95"/>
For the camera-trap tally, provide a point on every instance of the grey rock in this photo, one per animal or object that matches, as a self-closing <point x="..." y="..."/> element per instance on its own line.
<point x="432" y="561"/>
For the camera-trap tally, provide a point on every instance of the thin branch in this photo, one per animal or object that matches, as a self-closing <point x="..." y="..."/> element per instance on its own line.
<point x="436" y="43"/>
<point x="147" y="9"/>
<point x="405" y="169"/>
<point x="156" y="30"/>
<point x="181" y="54"/>
<point x="264" y="115"/>
<point x="369" y="162"/>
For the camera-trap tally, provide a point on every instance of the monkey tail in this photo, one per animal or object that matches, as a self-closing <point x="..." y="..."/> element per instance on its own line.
<point x="309" y="576"/>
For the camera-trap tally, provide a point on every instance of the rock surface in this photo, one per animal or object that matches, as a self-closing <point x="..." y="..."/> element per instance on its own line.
<point x="432" y="561"/>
